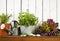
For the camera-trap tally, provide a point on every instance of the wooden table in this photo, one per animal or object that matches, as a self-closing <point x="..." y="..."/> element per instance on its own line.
<point x="29" y="38"/>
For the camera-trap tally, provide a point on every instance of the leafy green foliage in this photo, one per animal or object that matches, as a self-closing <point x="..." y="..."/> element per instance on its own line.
<point x="4" y="18"/>
<point x="49" y="25"/>
<point x="46" y="26"/>
<point x="27" y="19"/>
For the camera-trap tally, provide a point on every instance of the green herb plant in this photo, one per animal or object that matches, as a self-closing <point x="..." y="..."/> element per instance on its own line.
<point x="4" y="18"/>
<point x="27" y="19"/>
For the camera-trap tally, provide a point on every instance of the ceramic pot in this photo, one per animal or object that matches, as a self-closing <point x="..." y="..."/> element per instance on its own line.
<point x="27" y="30"/>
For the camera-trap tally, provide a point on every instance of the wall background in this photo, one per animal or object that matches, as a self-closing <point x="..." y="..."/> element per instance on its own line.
<point x="43" y="9"/>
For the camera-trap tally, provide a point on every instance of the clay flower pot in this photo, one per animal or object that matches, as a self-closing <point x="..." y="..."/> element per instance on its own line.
<point x="4" y="32"/>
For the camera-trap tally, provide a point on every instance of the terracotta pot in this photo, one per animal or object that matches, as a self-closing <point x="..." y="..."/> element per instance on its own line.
<point x="7" y="26"/>
<point x="4" y="32"/>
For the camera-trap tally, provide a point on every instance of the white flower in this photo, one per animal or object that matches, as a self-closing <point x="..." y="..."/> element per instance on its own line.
<point x="2" y="26"/>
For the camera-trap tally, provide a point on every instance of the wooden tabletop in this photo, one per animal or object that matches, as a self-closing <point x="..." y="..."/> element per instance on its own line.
<point x="30" y="38"/>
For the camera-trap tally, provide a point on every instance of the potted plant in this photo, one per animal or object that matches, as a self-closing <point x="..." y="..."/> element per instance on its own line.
<point x="27" y="22"/>
<point x="49" y="28"/>
<point x="4" y="18"/>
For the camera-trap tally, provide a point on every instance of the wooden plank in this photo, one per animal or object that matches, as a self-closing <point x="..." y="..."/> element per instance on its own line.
<point x="18" y="38"/>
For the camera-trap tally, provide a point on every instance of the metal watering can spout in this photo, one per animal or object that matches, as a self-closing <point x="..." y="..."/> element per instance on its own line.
<point x="14" y="28"/>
